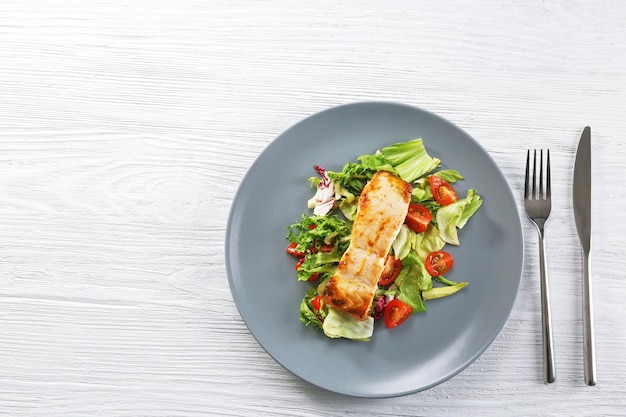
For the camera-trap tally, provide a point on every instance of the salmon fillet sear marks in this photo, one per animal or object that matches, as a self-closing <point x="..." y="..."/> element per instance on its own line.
<point x="382" y="208"/>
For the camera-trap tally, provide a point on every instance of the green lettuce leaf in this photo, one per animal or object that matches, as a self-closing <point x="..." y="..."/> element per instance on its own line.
<point x="376" y="162"/>
<point x="353" y="176"/>
<point x="449" y="175"/>
<point x="428" y="241"/>
<point x="439" y="292"/>
<point x="421" y="191"/>
<point x="411" y="282"/>
<point x="339" y="324"/>
<point x="403" y="242"/>
<point x="410" y="159"/>
<point x="322" y="262"/>
<point x="313" y="231"/>
<point x="455" y="216"/>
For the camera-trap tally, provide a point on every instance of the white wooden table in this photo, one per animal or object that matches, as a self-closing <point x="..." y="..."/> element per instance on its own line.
<point x="126" y="127"/>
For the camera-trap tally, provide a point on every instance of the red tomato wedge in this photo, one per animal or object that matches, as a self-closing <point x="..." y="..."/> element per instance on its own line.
<point x="291" y="250"/>
<point x="393" y="266"/>
<point x="438" y="263"/>
<point x="443" y="192"/>
<point x="316" y="302"/>
<point x="418" y="218"/>
<point x="396" y="312"/>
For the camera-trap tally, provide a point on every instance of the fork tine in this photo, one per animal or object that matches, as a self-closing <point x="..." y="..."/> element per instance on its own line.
<point x="540" y="194"/>
<point x="526" y="185"/>
<point x="534" y="190"/>
<point x="548" y="188"/>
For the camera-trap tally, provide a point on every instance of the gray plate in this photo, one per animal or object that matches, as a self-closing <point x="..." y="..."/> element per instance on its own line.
<point x="428" y="348"/>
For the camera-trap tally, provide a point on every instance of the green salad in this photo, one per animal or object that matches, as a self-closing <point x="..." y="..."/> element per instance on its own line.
<point x="415" y="267"/>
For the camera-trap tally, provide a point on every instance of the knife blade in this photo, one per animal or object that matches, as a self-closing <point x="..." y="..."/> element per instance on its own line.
<point x="582" y="217"/>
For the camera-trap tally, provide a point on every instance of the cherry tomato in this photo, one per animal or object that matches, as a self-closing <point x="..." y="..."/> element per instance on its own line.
<point x="438" y="263"/>
<point x="418" y="218"/>
<point x="291" y="250"/>
<point x="316" y="302"/>
<point x="443" y="192"/>
<point x="396" y="313"/>
<point x="392" y="269"/>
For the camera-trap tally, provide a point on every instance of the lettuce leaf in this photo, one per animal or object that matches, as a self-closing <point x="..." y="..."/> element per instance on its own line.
<point x="449" y="175"/>
<point x="428" y="241"/>
<point x="411" y="282"/>
<point x="314" y="231"/>
<point x="439" y="292"/>
<point x="339" y="324"/>
<point x="353" y="176"/>
<point x="403" y="242"/>
<point x="410" y="159"/>
<point x="455" y="216"/>
<point x="322" y="262"/>
<point x="421" y="191"/>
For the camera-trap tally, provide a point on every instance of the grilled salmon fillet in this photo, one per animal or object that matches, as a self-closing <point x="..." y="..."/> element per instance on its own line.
<point x="382" y="208"/>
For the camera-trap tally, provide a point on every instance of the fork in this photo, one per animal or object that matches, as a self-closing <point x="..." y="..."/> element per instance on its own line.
<point x="538" y="203"/>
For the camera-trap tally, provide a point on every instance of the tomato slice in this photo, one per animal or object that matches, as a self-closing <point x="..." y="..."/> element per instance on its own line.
<point x="396" y="313"/>
<point x="418" y="217"/>
<point x="393" y="266"/>
<point x="291" y="250"/>
<point x="316" y="302"/>
<point x="438" y="263"/>
<point x="443" y="192"/>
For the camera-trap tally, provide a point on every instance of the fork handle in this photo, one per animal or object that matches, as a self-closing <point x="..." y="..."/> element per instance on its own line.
<point x="549" y="371"/>
<point x="588" y="334"/>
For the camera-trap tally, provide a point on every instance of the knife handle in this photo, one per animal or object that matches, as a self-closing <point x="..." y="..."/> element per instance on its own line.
<point x="549" y="368"/>
<point x="588" y="333"/>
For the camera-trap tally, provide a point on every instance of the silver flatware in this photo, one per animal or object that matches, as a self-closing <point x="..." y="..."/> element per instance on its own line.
<point x="538" y="203"/>
<point x="582" y="216"/>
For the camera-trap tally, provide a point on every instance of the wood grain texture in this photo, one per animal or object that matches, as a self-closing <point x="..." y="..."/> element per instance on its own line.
<point x="126" y="127"/>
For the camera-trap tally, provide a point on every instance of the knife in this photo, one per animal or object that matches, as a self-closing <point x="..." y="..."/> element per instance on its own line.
<point x="582" y="216"/>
